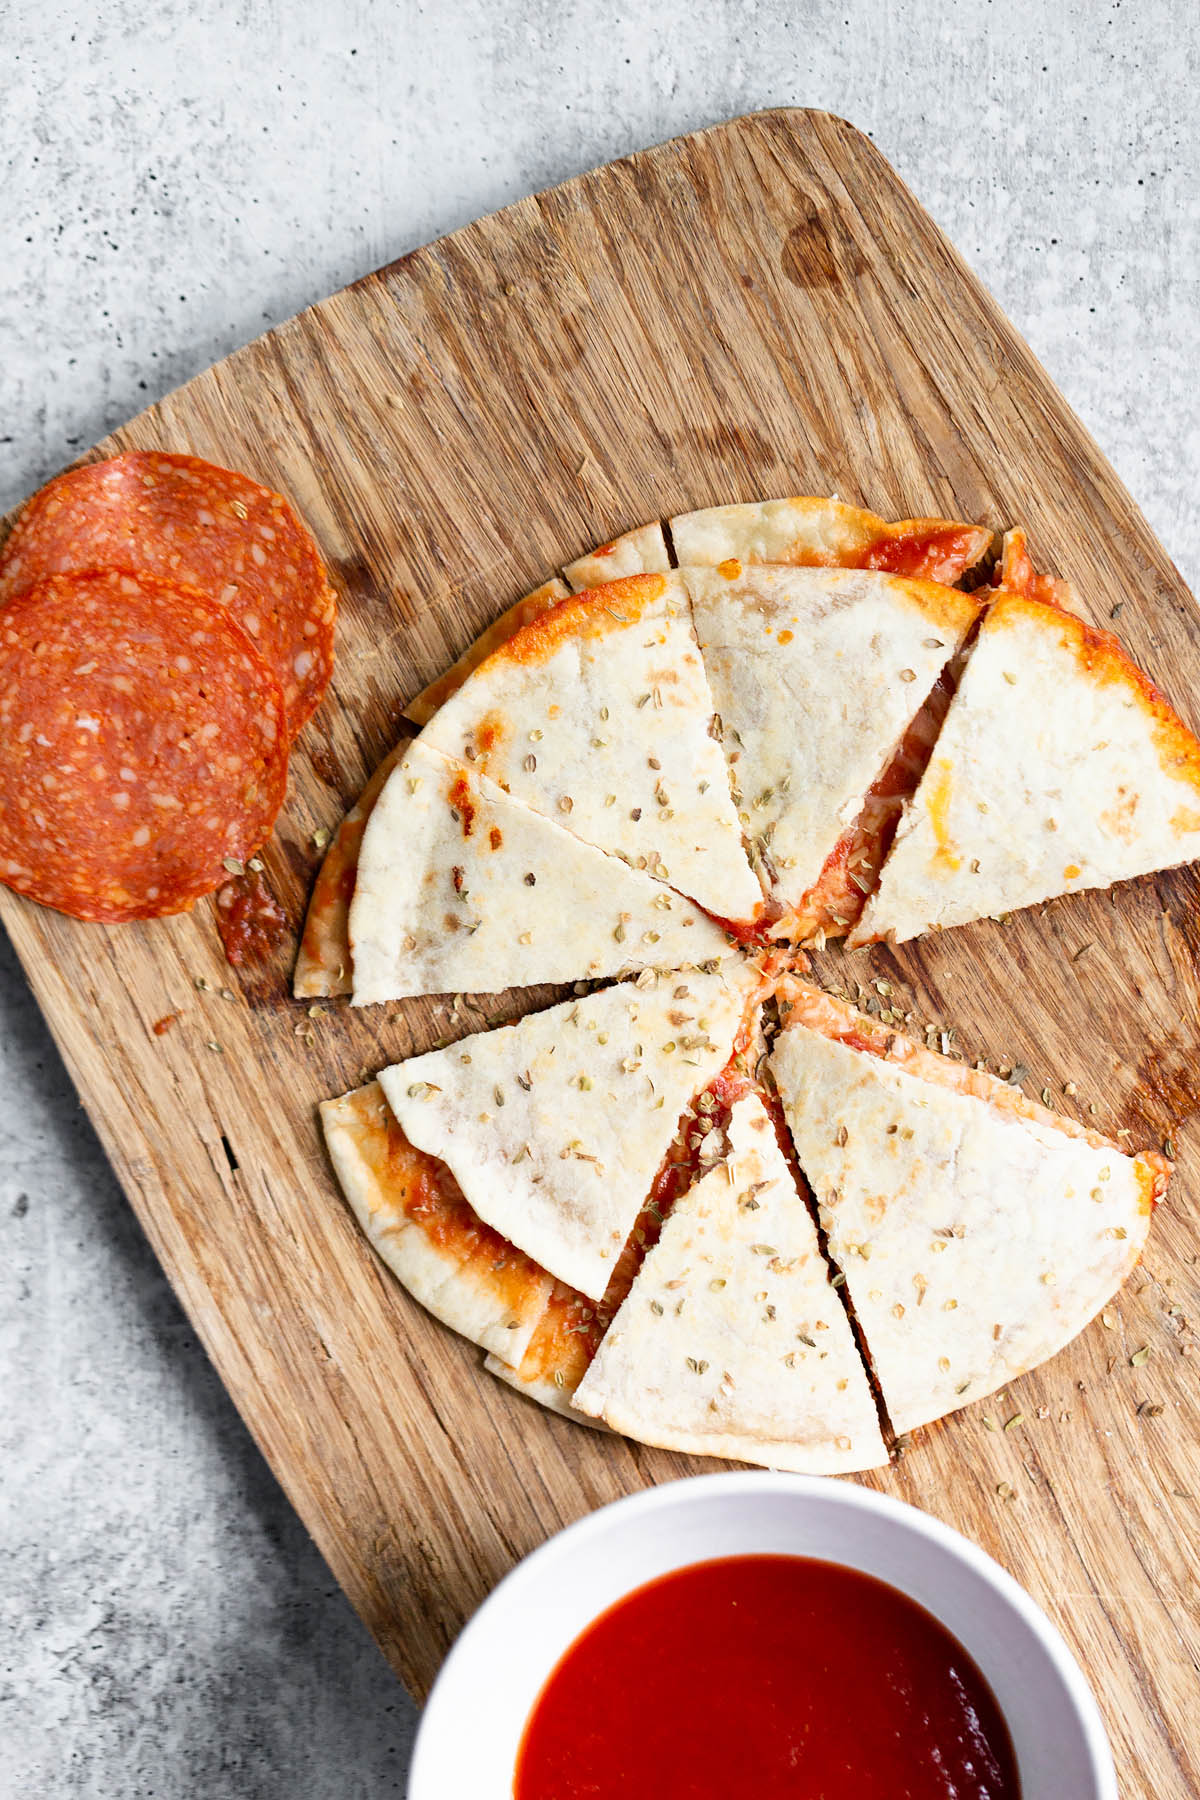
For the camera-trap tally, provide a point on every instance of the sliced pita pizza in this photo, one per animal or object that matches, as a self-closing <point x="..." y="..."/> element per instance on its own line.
<point x="413" y="1211"/>
<point x="461" y="889"/>
<point x="820" y="533"/>
<point x="598" y="715"/>
<point x="642" y="551"/>
<point x="1060" y="767"/>
<point x="521" y="613"/>
<point x="978" y="1233"/>
<point x="569" y="1332"/>
<point x="732" y="1342"/>
<point x="556" y="1127"/>
<point x="323" y="966"/>
<point x="819" y="677"/>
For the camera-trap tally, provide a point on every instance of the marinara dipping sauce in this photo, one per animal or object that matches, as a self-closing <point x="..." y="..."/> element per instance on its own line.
<point x="766" y="1678"/>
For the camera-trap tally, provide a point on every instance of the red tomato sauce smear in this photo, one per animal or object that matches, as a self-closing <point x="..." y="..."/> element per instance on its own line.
<point x="766" y="1677"/>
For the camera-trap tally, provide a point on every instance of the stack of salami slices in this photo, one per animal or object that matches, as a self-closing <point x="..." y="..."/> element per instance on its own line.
<point x="704" y="1203"/>
<point x="166" y="628"/>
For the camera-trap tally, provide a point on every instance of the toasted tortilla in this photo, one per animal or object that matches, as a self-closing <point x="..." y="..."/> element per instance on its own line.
<point x="461" y="889"/>
<point x="323" y="966"/>
<point x="557" y="1356"/>
<point x="413" y="1212"/>
<point x="642" y="551"/>
<point x="732" y="1341"/>
<point x="820" y="533"/>
<point x="978" y="1233"/>
<point x="570" y="1330"/>
<point x="323" y="963"/>
<point x="421" y="709"/>
<point x="1060" y="767"/>
<point x="555" y="1127"/>
<point x="598" y="715"/>
<point x="817" y="675"/>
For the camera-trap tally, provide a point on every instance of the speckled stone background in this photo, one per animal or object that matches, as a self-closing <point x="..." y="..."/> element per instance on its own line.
<point x="176" y="181"/>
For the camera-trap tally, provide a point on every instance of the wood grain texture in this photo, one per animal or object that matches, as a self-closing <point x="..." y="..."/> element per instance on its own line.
<point x="758" y="309"/>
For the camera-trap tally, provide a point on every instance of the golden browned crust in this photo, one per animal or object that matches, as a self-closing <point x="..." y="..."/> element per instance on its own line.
<point x="802" y="1003"/>
<point x="421" y="709"/>
<point x="1105" y="661"/>
<point x="592" y="613"/>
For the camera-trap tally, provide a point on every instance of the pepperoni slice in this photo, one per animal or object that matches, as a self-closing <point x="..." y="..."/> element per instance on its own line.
<point x="191" y="522"/>
<point x="142" y="741"/>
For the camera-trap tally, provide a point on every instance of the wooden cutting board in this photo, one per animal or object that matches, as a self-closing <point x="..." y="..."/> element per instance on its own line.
<point x="759" y="309"/>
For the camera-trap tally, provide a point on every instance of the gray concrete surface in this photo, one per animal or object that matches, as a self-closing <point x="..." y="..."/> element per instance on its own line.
<point x="177" y="180"/>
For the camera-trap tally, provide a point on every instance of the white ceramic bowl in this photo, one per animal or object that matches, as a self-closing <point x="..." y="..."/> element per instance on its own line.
<point x="469" y="1735"/>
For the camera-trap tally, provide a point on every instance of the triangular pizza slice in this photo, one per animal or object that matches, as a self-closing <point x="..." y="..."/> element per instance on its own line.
<point x="323" y="965"/>
<point x="732" y="1341"/>
<point x="461" y="889"/>
<point x="823" y="680"/>
<point x="569" y="1332"/>
<point x="598" y="715"/>
<point x="1060" y="767"/>
<point x="821" y="533"/>
<point x="977" y="1232"/>
<point x="556" y="1127"/>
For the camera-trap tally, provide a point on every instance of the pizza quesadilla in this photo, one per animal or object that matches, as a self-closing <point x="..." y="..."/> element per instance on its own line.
<point x="570" y="1328"/>
<point x="977" y="1232"/>
<point x="818" y="676"/>
<point x="323" y="966"/>
<point x="1060" y="767"/>
<point x="821" y="533"/>
<point x="599" y="1195"/>
<point x="569" y="1332"/>
<point x="598" y="715"/>
<point x="556" y="1127"/>
<point x="413" y="1211"/>
<point x="732" y="1342"/>
<point x="461" y="889"/>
